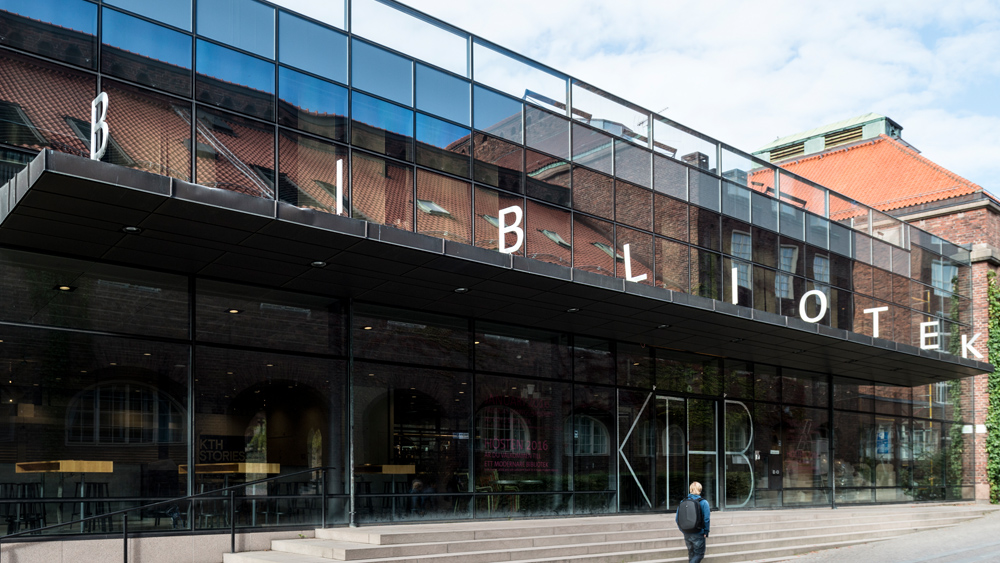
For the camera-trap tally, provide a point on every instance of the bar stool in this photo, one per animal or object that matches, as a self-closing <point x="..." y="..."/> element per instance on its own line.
<point x="8" y="510"/>
<point x="97" y="507"/>
<point x="31" y="511"/>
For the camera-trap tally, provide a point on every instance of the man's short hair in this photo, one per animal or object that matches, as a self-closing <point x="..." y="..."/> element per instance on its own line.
<point x="695" y="488"/>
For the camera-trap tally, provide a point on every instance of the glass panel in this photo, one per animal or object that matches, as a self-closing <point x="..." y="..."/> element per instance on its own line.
<point x="765" y="288"/>
<point x="330" y="12"/>
<point x="737" y="166"/>
<point x="635" y="365"/>
<point x="765" y="247"/>
<point x="443" y="146"/>
<point x="234" y="81"/>
<point x="549" y="237"/>
<point x="251" y="405"/>
<point x="235" y="154"/>
<point x="592" y="148"/>
<point x="670" y="217"/>
<point x="768" y="464"/>
<point x="881" y="255"/>
<point x="590" y="440"/>
<point x="311" y="104"/>
<point x="792" y="221"/>
<point x="122" y="401"/>
<point x="594" y="246"/>
<point x="268" y="318"/>
<point x="848" y="212"/>
<point x="767" y="386"/>
<point x="638" y="477"/>
<point x="620" y="118"/>
<point x="855" y="442"/>
<point x="444" y="207"/>
<point x="382" y="73"/>
<point x="893" y="400"/>
<point x="738" y="378"/>
<point x="804" y="388"/>
<point x="806" y="456"/>
<point x="705" y="228"/>
<point x="929" y="473"/>
<point x="640" y="253"/>
<point x="171" y="12"/>
<point x="442" y="94"/>
<point x="674" y="415"/>
<point x="744" y="281"/>
<point x="548" y="179"/>
<point x="853" y="394"/>
<point x="817" y="231"/>
<point x="862" y="247"/>
<point x="407" y="32"/>
<point x="167" y="151"/>
<point x="593" y="361"/>
<point x="487" y="220"/>
<point x="672" y="265"/>
<point x="679" y="143"/>
<point x="633" y="205"/>
<point x="498" y="163"/>
<point x="146" y="53"/>
<point x="31" y="25"/>
<point x="307" y="174"/>
<point x="735" y="201"/>
<point x="690" y="373"/>
<point x="840" y="239"/>
<point x="522" y="351"/>
<point x="244" y="24"/>
<point x="519" y="78"/>
<point x="382" y="127"/>
<point x="889" y="229"/>
<point x="297" y="46"/>
<point x="703" y="190"/>
<point x="764" y="211"/>
<point x="802" y="195"/>
<point x="497" y="114"/>
<point x="900" y="262"/>
<point x="739" y="449"/>
<point x="546" y="132"/>
<point x="670" y="177"/>
<point x="101" y="297"/>
<point x="382" y="191"/>
<point x="706" y="277"/>
<point x="633" y="164"/>
<point x="593" y="193"/>
<point x="399" y="335"/>
<point x="28" y="109"/>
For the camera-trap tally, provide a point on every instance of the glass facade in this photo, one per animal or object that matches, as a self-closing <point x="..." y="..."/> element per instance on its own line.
<point x="454" y="417"/>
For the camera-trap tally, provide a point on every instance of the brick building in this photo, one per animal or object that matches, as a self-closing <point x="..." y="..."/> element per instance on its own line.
<point x="867" y="159"/>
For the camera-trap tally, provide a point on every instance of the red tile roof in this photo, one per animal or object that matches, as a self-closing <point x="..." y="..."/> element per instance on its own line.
<point x="884" y="173"/>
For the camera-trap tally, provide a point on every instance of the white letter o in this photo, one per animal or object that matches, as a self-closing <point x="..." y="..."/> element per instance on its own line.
<point x="822" y="306"/>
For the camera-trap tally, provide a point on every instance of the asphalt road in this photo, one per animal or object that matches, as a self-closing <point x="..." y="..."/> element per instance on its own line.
<point x="977" y="541"/>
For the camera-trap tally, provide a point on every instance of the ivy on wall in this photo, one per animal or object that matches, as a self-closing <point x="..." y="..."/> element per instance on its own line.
<point x="993" y="390"/>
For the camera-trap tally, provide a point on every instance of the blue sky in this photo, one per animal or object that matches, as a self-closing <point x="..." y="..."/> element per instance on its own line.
<point x="748" y="73"/>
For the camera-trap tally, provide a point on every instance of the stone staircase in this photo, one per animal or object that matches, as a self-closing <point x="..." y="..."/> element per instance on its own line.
<point x="736" y="536"/>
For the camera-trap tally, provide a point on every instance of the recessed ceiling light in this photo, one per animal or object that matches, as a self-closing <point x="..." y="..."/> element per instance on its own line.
<point x="663" y="326"/>
<point x="114" y="364"/>
<point x="318" y="264"/>
<point x="64" y="288"/>
<point x="270" y="365"/>
<point x="572" y="310"/>
<point x="461" y="290"/>
<point x="235" y="311"/>
<point x="147" y="354"/>
<point x="131" y="229"/>
<point x="368" y="328"/>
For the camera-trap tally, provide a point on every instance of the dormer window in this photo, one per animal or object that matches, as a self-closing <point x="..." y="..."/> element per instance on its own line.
<point x="609" y="251"/>
<point x="555" y="237"/>
<point x="431" y="208"/>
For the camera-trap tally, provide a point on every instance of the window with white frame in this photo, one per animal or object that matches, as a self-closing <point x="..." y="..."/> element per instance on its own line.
<point x="497" y="422"/>
<point x="942" y="274"/>
<point x="590" y="436"/>
<point x="742" y="249"/>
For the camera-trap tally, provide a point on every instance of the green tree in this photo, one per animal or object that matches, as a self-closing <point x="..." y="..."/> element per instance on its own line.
<point x="993" y="390"/>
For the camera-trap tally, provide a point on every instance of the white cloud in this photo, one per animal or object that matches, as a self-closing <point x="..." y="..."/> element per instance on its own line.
<point x="748" y="73"/>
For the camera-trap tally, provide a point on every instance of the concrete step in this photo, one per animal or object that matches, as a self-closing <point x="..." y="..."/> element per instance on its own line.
<point x="737" y="537"/>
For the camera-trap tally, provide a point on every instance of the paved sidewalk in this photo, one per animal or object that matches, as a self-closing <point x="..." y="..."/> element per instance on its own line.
<point x="975" y="542"/>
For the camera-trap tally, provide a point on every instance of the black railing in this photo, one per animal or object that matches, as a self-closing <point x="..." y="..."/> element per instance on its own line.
<point x="225" y="493"/>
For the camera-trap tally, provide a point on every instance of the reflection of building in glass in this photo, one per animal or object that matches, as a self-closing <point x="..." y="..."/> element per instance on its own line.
<point x="195" y="299"/>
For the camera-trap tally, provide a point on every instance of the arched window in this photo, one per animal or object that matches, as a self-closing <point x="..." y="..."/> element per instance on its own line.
<point x="589" y="436"/>
<point x="124" y="413"/>
<point x="505" y="427"/>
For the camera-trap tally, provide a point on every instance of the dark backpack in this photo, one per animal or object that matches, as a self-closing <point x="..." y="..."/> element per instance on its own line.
<point x="689" y="518"/>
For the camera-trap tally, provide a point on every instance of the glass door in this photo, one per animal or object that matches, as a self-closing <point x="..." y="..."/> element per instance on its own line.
<point x="703" y="449"/>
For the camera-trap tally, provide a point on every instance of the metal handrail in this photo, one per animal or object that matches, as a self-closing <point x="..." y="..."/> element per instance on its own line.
<point x="216" y="492"/>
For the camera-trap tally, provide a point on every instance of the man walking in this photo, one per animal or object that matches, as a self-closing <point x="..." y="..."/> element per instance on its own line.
<point x="692" y="518"/>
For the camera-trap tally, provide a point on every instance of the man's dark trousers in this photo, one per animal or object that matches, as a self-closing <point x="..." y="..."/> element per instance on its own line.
<point x="696" y="547"/>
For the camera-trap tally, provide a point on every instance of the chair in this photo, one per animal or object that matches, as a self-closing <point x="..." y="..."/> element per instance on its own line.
<point x="98" y="491"/>
<point x="31" y="511"/>
<point x="212" y="511"/>
<point x="8" y="509"/>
